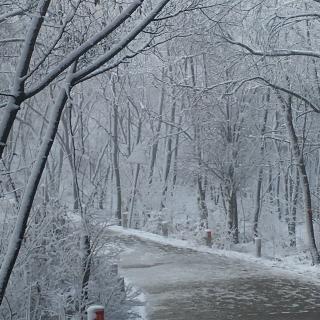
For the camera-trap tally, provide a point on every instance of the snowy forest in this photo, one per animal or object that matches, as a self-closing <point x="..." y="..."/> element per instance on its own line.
<point x="197" y="113"/>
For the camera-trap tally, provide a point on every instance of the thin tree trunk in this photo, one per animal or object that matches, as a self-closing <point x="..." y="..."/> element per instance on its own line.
<point x="135" y="179"/>
<point x="235" y="217"/>
<point x="86" y="268"/>
<point x="232" y="214"/>
<point x="168" y="153"/>
<point x="103" y="189"/>
<point x="14" y="102"/>
<point x="270" y="190"/>
<point x="305" y="181"/>
<point x="257" y="203"/>
<point x="70" y="156"/>
<point x="30" y="191"/>
<point x="85" y="246"/>
<point x="286" y="181"/>
<point x="202" y="203"/>
<point x="279" y="211"/>
<point x="176" y="149"/>
<point x="74" y="168"/>
<point x="58" y="171"/>
<point x="260" y="177"/>
<point x="155" y="144"/>
<point x="276" y="194"/>
<point x="133" y="194"/>
<point x="129" y="130"/>
<point x="116" y="161"/>
<point x="293" y="217"/>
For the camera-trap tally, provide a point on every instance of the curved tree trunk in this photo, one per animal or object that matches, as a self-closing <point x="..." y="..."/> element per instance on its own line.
<point x="13" y="106"/>
<point x="29" y="194"/>
<point x="305" y="182"/>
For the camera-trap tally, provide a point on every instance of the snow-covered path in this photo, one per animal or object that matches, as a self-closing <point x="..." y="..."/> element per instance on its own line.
<point x="183" y="284"/>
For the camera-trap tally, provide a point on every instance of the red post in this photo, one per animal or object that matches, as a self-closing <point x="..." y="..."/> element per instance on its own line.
<point x="100" y="315"/>
<point x="209" y="238"/>
<point x="95" y="313"/>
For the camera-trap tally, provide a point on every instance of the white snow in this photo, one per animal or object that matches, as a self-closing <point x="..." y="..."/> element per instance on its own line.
<point x="139" y="154"/>
<point x="288" y="266"/>
<point x="140" y="308"/>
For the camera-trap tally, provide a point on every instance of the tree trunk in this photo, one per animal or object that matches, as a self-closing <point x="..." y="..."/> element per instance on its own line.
<point x="135" y="179"/>
<point x="293" y="216"/>
<point x="232" y="214"/>
<point x="168" y="152"/>
<point x="257" y="203"/>
<point x="202" y="203"/>
<point x="86" y="270"/>
<point x="116" y="161"/>
<point x="260" y="176"/>
<point x="279" y="211"/>
<point x="305" y="181"/>
<point x="13" y="106"/>
<point x="235" y="217"/>
<point x="155" y="144"/>
<point x="29" y="193"/>
<point x="176" y="149"/>
<point x="70" y="155"/>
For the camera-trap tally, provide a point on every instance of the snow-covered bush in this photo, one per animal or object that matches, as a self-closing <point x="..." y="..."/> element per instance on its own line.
<point x="47" y="282"/>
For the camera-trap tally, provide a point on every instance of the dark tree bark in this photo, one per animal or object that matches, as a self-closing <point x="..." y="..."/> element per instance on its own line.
<point x="260" y="178"/>
<point x="304" y="179"/>
<point x="231" y="207"/>
<point x="293" y="216"/>
<point x="116" y="162"/>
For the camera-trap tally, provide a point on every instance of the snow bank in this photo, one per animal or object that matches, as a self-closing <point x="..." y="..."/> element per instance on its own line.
<point x="288" y="266"/>
<point x="139" y="309"/>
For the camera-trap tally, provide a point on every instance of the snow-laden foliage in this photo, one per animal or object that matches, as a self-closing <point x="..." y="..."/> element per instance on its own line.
<point x="189" y="114"/>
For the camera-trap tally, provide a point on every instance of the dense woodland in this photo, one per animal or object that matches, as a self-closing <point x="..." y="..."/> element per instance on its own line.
<point x="203" y="113"/>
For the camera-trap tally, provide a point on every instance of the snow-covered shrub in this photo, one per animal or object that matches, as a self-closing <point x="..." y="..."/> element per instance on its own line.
<point x="47" y="281"/>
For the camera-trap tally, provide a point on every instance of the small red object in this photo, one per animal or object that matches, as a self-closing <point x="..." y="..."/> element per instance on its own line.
<point x="100" y="315"/>
<point x="95" y="312"/>
<point x="209" y="238"/>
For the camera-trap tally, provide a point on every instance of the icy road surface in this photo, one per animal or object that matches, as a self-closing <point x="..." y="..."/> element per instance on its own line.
<point x="182" y="284"/>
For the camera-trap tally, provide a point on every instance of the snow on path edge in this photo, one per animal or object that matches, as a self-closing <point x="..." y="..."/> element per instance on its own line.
<point x="304" y="272"/>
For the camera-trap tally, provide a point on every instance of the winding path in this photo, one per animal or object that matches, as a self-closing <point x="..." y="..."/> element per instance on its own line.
<point x="182" y="284"/>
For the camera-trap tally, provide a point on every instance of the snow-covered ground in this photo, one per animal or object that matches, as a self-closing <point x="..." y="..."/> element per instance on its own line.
<point x="289" y="265"/>
<point x="139" y="300"/>
<point x="185" y="280"/>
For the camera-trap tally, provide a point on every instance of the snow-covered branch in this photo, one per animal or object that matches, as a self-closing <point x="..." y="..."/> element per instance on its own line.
<point x="122" y="43"/>
<point x="11" y="14"/>
<point x="22" y="69"/>
<point x="86" y="46"/>
<point x="274" y="53"/>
